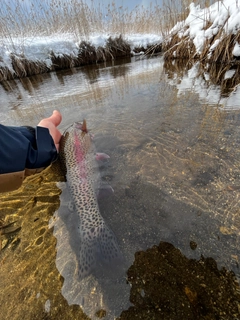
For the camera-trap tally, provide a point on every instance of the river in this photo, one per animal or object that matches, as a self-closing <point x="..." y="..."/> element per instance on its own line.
<point x="174" y="168"/>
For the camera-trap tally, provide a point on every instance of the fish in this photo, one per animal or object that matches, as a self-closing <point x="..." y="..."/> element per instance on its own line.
<point x="97" y="242"/>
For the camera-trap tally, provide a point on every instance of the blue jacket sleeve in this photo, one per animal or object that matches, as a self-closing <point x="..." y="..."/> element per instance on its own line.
<point x="22" y="148"/>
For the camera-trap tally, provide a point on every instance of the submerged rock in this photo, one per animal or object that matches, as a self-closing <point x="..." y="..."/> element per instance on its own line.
<point x="167" y="285"/>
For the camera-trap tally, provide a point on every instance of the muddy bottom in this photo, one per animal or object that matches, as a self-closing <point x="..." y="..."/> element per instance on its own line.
<point x="167" y="285"/>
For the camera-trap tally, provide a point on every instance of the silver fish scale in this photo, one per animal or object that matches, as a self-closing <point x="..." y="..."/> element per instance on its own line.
<point x="97" y="242"/>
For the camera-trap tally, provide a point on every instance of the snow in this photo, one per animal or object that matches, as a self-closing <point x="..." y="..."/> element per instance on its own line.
<point x="200" y="25"/>
<point x="236" y="50"/>
<point x="143" y="40"/>
<point x="40" y="49"/>
<point x="229" y="74"/>
<point x="37" y="49"/>
<point x="222" y="14"/>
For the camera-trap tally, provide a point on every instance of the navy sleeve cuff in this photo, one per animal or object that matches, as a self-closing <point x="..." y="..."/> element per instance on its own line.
<point x="25" y="147"/>
<point x="47" y="152"/>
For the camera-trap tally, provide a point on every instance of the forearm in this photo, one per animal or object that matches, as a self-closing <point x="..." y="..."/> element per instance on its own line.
<point x="20" y="149"/>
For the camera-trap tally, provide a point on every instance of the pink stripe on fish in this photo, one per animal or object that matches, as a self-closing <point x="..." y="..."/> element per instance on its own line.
<point x="80" y="157"/>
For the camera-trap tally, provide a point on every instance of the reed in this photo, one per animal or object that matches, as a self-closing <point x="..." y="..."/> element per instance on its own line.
<point x="24" y="67"/>
<point x="75" y="16"/>
<point x="80" y="20"/>
<point x="223" y="52"/>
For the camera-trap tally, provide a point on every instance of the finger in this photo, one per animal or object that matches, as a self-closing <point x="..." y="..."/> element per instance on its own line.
<point x="57" y="146"/>
<point x="55" y="118"/>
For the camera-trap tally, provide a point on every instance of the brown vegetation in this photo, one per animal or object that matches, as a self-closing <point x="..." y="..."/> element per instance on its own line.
<point x="176" y="47"/>
<point x="81" y="20"/>
<point x="179" y="48"/>
<point x="87" y="54"/>
<point x="223" y="51"/>
<point x="215" y="57"/>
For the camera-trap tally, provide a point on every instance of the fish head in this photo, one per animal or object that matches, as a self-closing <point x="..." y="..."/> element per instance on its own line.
<point x="82" y="139"/>
<point x="75" y="139"/>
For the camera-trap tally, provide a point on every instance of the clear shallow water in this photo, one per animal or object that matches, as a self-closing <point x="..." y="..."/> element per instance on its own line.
<point x="174" y="168"/>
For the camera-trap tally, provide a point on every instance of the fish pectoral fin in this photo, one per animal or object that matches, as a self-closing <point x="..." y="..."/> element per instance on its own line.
<point x="101" y="156"/>
<point x="105" y="191"/>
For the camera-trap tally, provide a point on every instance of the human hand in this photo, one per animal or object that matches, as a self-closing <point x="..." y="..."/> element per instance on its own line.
<point x="51" y="123"/>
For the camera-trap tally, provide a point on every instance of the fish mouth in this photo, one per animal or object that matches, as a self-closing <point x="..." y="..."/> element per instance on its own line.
<point x="81" y="126"/>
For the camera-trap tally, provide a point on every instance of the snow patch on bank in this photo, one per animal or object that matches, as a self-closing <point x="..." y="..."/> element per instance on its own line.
<point x="40" y="49"/>
<point x="220" y="15"/>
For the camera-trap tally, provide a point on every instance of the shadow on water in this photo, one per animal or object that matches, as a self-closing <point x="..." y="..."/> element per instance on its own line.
<point x="174" y="168"/>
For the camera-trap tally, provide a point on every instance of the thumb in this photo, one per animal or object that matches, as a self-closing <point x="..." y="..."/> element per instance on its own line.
<point x="55" y="118"/>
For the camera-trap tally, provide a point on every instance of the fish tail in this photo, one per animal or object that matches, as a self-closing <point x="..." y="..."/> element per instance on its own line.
<point x="108" y="245"/>
<point x="100" y="252"/>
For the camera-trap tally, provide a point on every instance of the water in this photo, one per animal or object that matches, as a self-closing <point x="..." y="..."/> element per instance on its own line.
<point x="174" y="168"/>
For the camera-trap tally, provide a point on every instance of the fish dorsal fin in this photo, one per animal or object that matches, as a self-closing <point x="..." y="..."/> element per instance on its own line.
<point x="84" y="126"/>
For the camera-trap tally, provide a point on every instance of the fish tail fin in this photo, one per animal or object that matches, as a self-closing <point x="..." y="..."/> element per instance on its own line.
<point x="109" y="248"/>
<point x="87" y="259"/>
<point x="99" y="253"/>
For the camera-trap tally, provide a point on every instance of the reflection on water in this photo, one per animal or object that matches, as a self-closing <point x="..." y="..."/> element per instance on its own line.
<point x="214" y="83"/>
<point x="174" y="169"/>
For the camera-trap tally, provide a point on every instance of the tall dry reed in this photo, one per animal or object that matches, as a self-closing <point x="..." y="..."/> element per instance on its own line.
<point x="75" y="16"/>
<point x="81" y="18"/>
<point x="22" y="20"/>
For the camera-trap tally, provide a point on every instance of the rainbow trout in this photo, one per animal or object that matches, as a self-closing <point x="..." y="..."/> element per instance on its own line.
<point x="97" y="242"/>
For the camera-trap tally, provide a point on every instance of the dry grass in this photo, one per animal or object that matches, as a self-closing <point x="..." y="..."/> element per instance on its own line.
<point x="75" y="16"/>
<point x="5" y="74"/>
<point x="223" y="52"/>
<point x="176" y="47"/>
<point x="217" y="74"/>
<point x="51" y="17"/>
<point x="88" y="54"/>
<point x="179" y="48"/>
<point x="23" y="67"/>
